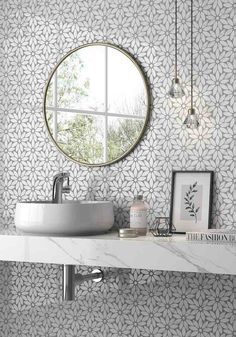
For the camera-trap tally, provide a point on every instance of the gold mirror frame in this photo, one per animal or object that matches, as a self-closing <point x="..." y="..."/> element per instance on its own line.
<point x="147" y="98"/>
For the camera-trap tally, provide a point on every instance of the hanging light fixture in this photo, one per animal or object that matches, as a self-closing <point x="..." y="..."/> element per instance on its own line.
<point x="176" y="90"/>
<point x="191" y="121"/>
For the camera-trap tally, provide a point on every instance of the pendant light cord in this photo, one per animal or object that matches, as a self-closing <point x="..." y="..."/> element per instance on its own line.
<point x="176" y="42"/>
<point x="191" y="52"/>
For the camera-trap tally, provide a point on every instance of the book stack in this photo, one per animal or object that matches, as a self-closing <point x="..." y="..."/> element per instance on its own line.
<point x="215" y="235"/>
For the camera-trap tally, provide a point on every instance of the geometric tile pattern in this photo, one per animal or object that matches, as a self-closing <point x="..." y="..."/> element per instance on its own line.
<point x="34" y="35"/>
<point x="127" y="303"/>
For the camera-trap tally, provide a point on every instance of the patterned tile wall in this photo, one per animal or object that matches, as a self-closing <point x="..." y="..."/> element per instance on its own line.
<point x="34" y="35"/>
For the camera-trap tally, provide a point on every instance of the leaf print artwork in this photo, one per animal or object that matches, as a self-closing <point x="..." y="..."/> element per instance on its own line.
<point x="190" y="206"/>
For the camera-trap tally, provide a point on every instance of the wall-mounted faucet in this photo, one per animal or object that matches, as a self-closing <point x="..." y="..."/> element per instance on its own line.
<point x="58" y="186"/>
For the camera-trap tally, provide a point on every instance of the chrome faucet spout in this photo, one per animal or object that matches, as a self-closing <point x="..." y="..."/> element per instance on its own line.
<point x="58" y="186"/>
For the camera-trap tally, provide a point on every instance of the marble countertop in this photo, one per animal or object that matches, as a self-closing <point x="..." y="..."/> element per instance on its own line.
<point x="108" y="250"/>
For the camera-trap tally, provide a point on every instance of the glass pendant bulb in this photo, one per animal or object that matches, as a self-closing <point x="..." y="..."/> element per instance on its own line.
<point x="191" y="121"/>
<point x="176" y="90"/>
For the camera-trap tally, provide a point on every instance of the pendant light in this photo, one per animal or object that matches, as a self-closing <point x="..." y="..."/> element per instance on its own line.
<point x="191" y="121"/>
<point x="176" y="90"/>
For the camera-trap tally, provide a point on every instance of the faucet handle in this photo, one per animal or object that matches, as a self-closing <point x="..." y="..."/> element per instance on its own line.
<point x="66" y="189"/>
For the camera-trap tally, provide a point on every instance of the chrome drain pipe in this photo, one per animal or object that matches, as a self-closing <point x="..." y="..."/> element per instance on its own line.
<point x="68" y="283"/>
<point x="70" y="280"/>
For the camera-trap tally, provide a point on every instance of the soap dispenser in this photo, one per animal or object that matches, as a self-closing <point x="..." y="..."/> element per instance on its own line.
<point x="138" y="215"/>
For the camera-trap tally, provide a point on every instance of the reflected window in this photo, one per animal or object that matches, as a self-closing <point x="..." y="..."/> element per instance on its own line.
<point x="96" y="104"/>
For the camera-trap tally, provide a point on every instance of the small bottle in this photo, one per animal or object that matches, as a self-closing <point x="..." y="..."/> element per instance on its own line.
<point x="138" y="215"/>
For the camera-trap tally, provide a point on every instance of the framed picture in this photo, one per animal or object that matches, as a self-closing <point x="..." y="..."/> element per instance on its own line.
<point x="191" y="201"/>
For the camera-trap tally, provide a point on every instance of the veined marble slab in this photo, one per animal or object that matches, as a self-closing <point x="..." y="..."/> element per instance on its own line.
<point x="108" y="250"/>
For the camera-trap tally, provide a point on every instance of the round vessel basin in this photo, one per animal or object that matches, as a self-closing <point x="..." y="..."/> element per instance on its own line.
<point x="69" y="218"/>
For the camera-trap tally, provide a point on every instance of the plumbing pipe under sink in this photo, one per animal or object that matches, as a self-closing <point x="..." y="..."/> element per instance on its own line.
<point x="70" y="280"/>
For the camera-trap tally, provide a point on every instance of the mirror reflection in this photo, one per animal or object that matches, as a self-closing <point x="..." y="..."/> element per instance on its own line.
<point x="96" y="104"/>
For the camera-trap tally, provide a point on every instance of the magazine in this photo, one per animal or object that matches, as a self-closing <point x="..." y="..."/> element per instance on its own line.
<point x="222" y="235"/>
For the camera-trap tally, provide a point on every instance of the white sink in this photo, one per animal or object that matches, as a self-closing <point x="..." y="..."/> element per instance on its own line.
<point x="69" y="218"/>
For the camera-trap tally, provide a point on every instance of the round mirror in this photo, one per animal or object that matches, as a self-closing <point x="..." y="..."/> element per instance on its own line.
<point x="96" y="104"/>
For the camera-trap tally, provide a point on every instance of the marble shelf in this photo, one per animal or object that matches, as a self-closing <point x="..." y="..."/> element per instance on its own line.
<point x="108" y="250"/>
